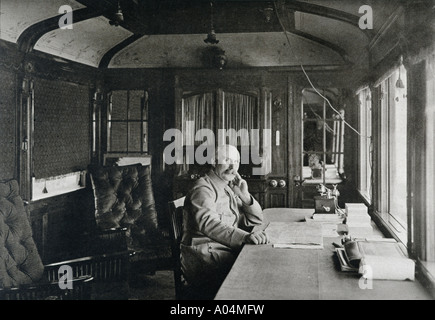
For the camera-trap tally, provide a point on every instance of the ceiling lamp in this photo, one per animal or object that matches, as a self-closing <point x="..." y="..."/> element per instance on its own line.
<point x="118" y="17"/>
<point x="268" y="12"/>
<point x="220" y="59"/>
<point x="214" y="57"/>
<point x="211" y="37"/>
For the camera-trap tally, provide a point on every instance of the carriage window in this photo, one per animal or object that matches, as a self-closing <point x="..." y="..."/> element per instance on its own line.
<point x="365" y="145"/>
<point x="127" y="121"/>
<point x="323" y="139"/>
<point x="392" y="153"/>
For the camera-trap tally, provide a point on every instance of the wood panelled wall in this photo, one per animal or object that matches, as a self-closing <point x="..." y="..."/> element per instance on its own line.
<point x="59" y="221"/>
<point x="167" y="86"/>
<point x="62" y="130"/>
<point x="8" y="121"/>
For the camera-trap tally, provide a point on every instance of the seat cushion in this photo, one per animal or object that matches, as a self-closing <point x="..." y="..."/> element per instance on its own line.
<point x="20" y="262"/>
<point x="124" y="198"/>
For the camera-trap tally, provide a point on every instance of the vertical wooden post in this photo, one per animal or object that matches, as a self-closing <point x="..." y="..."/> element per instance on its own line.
<point x="26" y="138"/>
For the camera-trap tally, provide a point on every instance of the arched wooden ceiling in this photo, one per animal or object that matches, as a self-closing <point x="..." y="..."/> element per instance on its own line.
<point x="170" y="33"/>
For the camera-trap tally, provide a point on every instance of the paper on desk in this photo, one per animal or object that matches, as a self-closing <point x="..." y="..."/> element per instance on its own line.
<point x="387" y="268"/>
<point x="295" y="235"/>
<point x="297" y="246"/>
<point x="329" y="229"/>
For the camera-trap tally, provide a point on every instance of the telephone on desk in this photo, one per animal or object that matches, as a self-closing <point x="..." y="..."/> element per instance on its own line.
<point x="323" y="204"/>
<point x="326" y="202"/>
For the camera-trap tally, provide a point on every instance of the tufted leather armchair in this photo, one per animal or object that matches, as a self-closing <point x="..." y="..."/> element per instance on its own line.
<point x="125" y="207"/>
<point x="22" y="273"/>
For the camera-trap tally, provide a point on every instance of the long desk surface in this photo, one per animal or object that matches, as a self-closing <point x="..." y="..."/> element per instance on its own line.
<point x="262" y="272"/>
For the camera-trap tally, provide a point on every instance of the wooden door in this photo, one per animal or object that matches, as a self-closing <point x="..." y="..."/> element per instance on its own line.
<point x="286" y="146"/>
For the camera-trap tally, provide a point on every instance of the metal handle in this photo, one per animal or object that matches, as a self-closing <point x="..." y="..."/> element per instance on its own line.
<point x="25" y="144"/>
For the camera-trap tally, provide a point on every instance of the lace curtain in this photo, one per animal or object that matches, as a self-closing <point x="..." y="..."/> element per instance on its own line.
<point x="200" y="111"/>
<point x="240" y="111"/>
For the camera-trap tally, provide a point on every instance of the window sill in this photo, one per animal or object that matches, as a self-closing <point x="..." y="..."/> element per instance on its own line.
<point x="58" y="185"/>
<point x="125" y="159"/>
<point x="55" y="193"/>
<point x="319" y="181"/>
<point x="426" y="275"/>
<point x="425" y="271"/>
<point x="386" y="229"/>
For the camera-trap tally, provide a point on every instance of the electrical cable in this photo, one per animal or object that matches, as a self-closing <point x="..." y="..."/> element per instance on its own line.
<point x="308" y="78"/>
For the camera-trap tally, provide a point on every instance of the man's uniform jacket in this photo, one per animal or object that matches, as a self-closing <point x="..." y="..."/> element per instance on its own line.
<point x="215" y="221"/>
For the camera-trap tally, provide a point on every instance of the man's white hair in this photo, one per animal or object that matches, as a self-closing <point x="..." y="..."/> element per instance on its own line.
<point x="222" y="151"/>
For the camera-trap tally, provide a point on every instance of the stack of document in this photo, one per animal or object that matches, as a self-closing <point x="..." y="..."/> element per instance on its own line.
<point x="384" y="259"/>
<point x="358" y="220"/>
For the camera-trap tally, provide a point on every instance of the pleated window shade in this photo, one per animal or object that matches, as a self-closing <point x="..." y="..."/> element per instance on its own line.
<point x="61" y="128"/>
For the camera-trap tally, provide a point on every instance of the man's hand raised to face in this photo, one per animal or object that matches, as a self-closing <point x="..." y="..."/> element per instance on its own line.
<point x="240" y="188"/>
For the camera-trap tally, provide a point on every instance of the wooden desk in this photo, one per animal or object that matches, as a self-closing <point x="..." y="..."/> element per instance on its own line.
<point x="265" y="273"/>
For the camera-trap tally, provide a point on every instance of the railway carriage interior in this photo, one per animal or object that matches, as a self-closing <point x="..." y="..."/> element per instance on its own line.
<point x="115" y="104"/>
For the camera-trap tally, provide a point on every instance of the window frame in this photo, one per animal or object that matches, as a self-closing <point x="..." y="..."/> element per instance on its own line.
<point x="365" y="150"/>
<point x="143" y="120"/>
<point x="383" y="126"/>
<point x="337" y="144"/>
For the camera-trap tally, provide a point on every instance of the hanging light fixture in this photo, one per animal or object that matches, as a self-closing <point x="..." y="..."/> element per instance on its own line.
<point x="268" y="12"/>
<point x="399" y="82"/>
<point x="220" y="59"/>
<point x="211" y="36"/>
<point x="118" y="17"/>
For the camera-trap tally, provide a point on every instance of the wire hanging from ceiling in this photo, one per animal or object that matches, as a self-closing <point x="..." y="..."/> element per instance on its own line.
<point x="308" y="78"/>
<point x="211" y="36"/>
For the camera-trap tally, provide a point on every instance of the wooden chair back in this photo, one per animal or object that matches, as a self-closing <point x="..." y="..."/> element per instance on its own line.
<point x="176" y="231"/>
